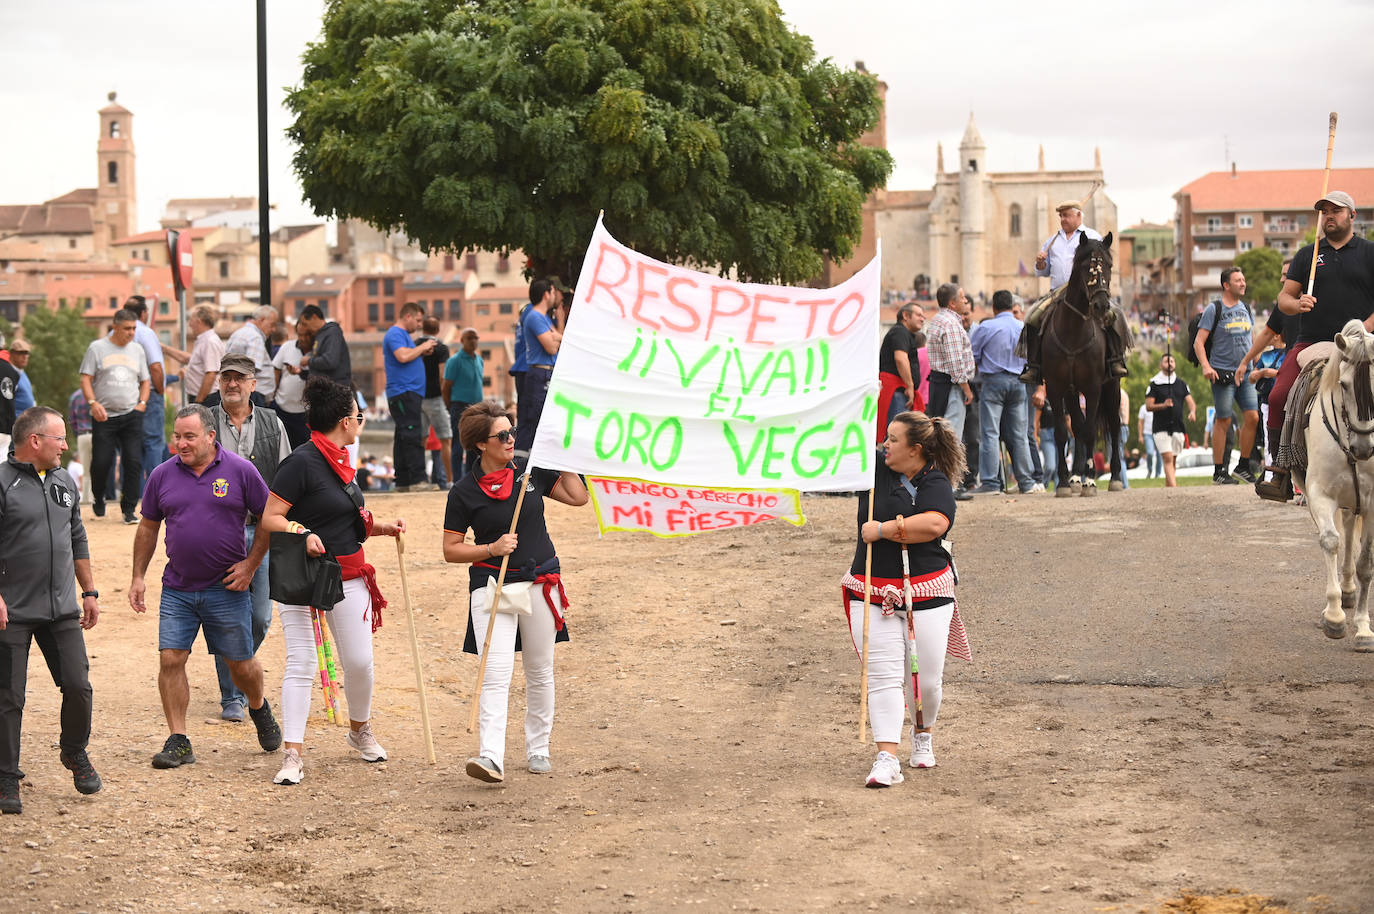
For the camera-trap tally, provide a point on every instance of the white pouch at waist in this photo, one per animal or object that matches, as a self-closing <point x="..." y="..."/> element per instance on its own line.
<point x="515" y="597"/>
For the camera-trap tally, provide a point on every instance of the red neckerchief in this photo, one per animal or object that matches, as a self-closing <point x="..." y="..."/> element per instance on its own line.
<point x="498" y="485"/>
<point x="336" y="456"/>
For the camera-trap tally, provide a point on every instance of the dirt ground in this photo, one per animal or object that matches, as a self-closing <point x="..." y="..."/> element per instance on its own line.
<point x="1151" y="710"/>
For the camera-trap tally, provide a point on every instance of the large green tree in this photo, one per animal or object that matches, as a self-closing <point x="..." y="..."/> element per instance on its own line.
<point x="59" y="340"/>
<point x="1263" y="268"/>
<point x="706" y="130"/>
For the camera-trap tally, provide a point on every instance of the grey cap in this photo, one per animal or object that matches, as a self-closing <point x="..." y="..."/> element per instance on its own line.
<point x="1338" y="197"/>
<point x="240" y="363"/>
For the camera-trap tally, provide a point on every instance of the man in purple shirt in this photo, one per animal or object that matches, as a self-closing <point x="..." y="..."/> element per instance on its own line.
<point x="204" y="493"/>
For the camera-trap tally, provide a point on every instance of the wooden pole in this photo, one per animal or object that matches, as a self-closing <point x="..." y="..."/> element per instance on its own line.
<point x="868" y="598"/>
<point x="415" y="649"/>
<point x="1326" y="182"/>
<point x="495" y="602"/>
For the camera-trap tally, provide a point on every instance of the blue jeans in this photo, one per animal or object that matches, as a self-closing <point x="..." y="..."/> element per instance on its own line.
<point x="1125" y="433"/>
<point x="1049" y="454"/>
<point x="222" y="613"/>
<point x="154" y="434"/>
<point x="1154" y="461"/>
<point x="1037" y="465"/>
<point x="261" y="622"/>
<point x="1003" y="393"/>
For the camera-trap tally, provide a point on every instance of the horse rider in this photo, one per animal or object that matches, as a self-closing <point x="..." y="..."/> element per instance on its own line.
<point x="1344" y="290"/>
<point x="1055" y="260"/>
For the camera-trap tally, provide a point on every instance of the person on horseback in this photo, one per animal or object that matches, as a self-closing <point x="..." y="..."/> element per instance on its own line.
<point x="1344" y="286"/>
<point x="1055" y="260"/>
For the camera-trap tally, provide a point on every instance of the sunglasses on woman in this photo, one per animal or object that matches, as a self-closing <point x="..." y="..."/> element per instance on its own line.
<point x="505" y="435"/>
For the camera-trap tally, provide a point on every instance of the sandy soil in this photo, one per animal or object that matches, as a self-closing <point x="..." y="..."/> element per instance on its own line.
<point x="1151" y="709"/>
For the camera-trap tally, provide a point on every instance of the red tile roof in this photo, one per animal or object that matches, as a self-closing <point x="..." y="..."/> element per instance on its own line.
<point x="83" y="195"/>
<point x="1221" y="191"/>
<point x="161" y="235"/>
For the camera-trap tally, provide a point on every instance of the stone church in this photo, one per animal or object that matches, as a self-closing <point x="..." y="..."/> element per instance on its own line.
<point x="977" y="227"/>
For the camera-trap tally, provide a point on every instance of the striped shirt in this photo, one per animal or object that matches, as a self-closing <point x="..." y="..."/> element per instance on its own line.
<point x="948" y="346"/>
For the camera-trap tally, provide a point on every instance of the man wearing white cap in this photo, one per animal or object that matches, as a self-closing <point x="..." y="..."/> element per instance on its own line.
<point x="1055" y="260"/>
<point x="1344" y="291"/>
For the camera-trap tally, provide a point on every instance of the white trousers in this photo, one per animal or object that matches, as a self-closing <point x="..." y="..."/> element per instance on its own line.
<point x="536" y="647"/>
<point x="350" y="627"/>
<point x="889" y="679"/>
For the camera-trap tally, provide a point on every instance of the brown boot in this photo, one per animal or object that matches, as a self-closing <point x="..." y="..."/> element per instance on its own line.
<point x="1116" y="367"/>
<point x="1278" y="488"/>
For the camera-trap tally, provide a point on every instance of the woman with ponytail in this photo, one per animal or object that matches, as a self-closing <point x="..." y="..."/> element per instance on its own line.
<point x="484" y="501"/>
<point x="913" y="512"/>
<point x="314" y="495"/>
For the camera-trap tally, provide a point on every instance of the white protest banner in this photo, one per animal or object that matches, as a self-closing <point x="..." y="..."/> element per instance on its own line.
<point x="667" y="510"/>
<point x="682" y="377"/>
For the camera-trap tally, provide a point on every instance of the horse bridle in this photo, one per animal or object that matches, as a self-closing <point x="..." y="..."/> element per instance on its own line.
<point x="1350" y="458"/>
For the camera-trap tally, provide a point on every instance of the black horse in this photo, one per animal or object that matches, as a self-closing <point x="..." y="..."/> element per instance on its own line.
<point x="1074" y="351"/>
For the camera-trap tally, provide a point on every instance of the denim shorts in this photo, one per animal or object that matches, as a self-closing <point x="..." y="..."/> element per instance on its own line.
<point x="1224" y="395"/>
<point x="225" y="615"/>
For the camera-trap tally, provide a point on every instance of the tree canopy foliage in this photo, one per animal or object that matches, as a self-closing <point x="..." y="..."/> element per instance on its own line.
<point x="706" y="130"/>
<point x="1262" y="268"/>
<point x="59" y="340"/>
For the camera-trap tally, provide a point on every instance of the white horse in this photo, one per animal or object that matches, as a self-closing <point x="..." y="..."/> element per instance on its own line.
<point x="1339" y="480"/>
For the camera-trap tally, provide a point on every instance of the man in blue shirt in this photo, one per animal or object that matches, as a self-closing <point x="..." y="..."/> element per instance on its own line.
<point x="1227" y="323"/>
<point x="23" y="393"/>
<point x="462" y="387"/>
<point x="405" y="394"/>
<point x="154" y="433"/>
<point x="994" y="351"/>
<point x="542" y="339"/>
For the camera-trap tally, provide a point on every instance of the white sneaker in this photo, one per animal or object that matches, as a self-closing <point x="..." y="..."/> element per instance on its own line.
<point x="292" y="768"/>
<point x="922" y="751"/>
<point x="886" y="771"/>
<point x="363" y="740"/>
<point x="1037" y="488"/>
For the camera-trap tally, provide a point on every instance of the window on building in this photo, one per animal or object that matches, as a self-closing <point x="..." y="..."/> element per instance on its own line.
<point x="448" y="262"/>
<point x="506" y="308"/>
<point x="486" y="382"/>
<point x="86" y="303"/>
<point x="1247" y="245"/>
<point x="114" y="130"/>
<point x="972" y="164"/>
<point x="503" y="264"/>
<point x="224" y="269"/>
<point x="114" y="302"/>
<point x="62" y="303"/>
<point x="71" y="242"/>
<point x="483" y="310"/>
<point x="1246" y="221"/>
<point x="1213" y="223"/>
<point x="1014" y="221"/>
<point x="390" y="311"/>
<point x="455" y="309"/>
<point x="372" y="287"/>
<point x="164" y="306"/>
<point x="388" y="287"/>
<point x="470" y="260"/>
<point x="372" y="312"/>
<point x="324" y="307"/>
<point x="112" y="172"/>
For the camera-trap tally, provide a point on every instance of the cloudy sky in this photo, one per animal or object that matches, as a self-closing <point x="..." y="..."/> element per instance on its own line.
<point x="1167" y="96"/>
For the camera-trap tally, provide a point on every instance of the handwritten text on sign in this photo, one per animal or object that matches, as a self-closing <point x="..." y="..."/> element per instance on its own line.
<point x="669" y="374"/>
<point x="667" y="510"/>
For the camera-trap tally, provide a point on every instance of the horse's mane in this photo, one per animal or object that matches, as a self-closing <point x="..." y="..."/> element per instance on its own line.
<point x="1359" y="352"/>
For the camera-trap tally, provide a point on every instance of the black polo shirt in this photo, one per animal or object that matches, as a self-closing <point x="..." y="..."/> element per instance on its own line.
<point x="1344" y="288"/>
<point x="898" y="339"/>
<point x="1288" y="326"/>
<point x="1161" y="389"/>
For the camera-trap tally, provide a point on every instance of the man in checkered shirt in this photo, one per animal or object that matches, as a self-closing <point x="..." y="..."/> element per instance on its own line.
<point x="951" y="362"/>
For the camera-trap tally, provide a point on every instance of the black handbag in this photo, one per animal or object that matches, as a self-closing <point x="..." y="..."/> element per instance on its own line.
<point x="301" y="579"/>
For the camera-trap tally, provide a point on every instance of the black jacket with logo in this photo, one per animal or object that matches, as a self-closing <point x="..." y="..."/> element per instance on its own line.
<point x="41" y="536"/>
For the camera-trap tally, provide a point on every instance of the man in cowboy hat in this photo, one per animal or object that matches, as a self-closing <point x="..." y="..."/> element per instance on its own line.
<point x="1055" y="260"/>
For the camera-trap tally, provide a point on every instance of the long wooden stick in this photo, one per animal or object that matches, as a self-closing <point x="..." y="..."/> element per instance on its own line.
<point x="495" y="602"/>
<point x="1326" y="182"/>
<point x="868" y="598"/>
<point x="415" y="649"/>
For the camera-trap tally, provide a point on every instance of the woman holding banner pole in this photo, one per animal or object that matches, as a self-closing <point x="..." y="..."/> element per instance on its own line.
<point x="485" y="501"/>
<point x="913" y="511"/>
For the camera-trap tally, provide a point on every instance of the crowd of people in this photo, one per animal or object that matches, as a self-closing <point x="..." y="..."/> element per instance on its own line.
<point x="269" y="441"/>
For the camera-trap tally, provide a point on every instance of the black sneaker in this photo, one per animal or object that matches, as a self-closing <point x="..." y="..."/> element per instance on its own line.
<point x="98" y="508"/>
<point x="83" y="772"/>
<point x="175" y="753"/>
<point x="130" y="518"/>
<point x="269" y="732"/>
<point x="1224" y="480"/>
<point x="9" y="796"/>
<point x="1245" y="474"/>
